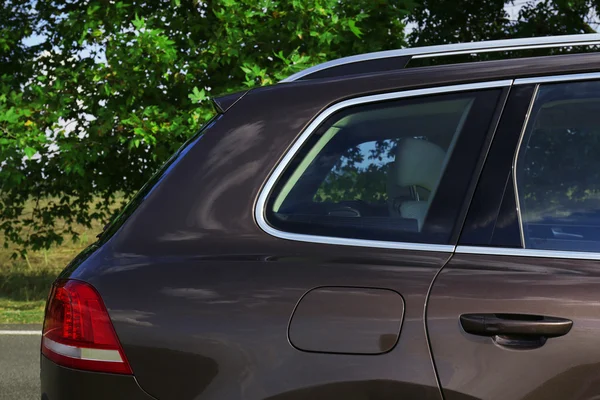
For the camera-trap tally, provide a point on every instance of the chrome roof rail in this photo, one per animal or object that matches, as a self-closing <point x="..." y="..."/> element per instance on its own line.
<point x="455" y="49"/>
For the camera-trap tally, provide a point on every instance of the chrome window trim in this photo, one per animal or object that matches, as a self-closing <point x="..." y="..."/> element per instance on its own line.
<point x="261" y="201"/>
<point x="457" y="48"/>
<point x="557" y="78"/>
<point x="514" y="164"/>
<point x="504" y="251"/>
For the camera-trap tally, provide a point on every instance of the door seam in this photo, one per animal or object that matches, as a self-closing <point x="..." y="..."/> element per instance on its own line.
<point x="425" y="307"/>
<point x="429" y="290"/>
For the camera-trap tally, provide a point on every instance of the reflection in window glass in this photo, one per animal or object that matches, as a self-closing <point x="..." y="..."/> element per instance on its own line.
<point x="359" y="174"/>
<point x="558" y="169"/>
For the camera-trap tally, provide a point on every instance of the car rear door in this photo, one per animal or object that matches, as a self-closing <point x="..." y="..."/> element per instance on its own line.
<point x="515" y="314"/>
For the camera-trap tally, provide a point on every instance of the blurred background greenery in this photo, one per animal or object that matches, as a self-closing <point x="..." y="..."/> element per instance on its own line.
<point x="25" y="281"/>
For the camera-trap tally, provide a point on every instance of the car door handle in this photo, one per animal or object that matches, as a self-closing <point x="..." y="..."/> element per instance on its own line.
<point x="520" y="325"/>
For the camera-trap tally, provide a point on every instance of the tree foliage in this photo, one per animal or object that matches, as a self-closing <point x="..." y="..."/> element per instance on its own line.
<point x="115" y="86"/>
<point x="453" y="21"/>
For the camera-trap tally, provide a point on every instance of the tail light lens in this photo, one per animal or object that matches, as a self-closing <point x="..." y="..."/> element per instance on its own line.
<point x="78" y="332"/>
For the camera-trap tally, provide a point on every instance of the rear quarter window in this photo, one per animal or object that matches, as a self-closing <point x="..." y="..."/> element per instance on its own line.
<point x="375" y="171"/>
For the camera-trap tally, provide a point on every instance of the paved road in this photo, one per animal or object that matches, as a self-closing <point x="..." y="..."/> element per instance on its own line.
<point x="19" y="363"/>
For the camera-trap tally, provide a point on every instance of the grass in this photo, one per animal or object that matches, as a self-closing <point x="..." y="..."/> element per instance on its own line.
<point x="24" y="284"/>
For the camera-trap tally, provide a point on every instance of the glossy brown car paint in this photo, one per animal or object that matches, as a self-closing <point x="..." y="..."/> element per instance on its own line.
<point x="69" y="384"/>
<point x="347" y="320"/>
<point x="564" y="367"/>
<point x="217" y="326"/>
<point x="201" y="297"/>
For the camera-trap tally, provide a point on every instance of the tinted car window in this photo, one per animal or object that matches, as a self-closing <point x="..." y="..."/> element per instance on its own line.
<point x="373" y="171"/>
<point x="558" y="169"/>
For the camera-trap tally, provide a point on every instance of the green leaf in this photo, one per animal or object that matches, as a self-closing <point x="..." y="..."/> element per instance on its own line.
<point x="29" y="152"/>
<point x="138" y="22"/>
<point x="10" y="116"/>
<point x="92" y="9"/>
<point x="354" y="28"/>
<point x="197" y="96"/>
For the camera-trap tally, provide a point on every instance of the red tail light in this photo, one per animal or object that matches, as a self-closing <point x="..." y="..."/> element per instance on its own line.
<point x="78" y="332"/>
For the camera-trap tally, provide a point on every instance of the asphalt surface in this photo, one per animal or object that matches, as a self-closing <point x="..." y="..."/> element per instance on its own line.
<point x="19" y="363"/>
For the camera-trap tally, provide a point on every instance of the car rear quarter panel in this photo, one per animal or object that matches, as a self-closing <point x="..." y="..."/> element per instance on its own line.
<point x="201" y="298"/>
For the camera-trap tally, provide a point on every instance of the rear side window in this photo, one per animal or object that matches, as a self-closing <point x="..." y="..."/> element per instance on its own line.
<point x="558" y="169"/>
<point x="377" y="171"/>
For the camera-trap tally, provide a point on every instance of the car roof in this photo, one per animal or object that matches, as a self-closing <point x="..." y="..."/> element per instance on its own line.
<point x="363" y="68"/>
<point x="395" y="59"/>
<point x="329" y="90"/>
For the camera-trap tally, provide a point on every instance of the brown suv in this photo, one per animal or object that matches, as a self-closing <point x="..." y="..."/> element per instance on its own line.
<point x="360" y="231"/>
